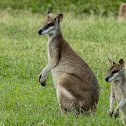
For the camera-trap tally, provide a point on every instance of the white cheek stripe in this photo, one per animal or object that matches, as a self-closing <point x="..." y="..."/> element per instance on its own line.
<point x="47" y="30"/>
<point x="113" y="77"/>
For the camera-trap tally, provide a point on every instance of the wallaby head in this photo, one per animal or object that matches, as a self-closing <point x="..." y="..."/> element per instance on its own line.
<point x="116" y="71"/>
<point x="52" y="25"/>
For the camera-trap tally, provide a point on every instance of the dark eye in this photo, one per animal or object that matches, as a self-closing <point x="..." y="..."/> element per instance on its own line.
<point x="51" y="24"/>
<point x="115" y="71"/>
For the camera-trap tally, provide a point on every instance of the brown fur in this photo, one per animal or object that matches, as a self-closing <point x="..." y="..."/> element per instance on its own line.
<point x="122" y="12"/>
<point x="118" y="89"/>
<point x="76" y="85"/>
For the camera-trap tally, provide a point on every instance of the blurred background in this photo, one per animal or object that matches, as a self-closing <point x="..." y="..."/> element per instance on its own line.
<point x="102" y="7"/>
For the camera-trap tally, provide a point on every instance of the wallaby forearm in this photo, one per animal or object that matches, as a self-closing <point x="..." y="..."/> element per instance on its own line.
<point x="52" y="63"/>
<point x="49" y="66"/>
<point x="121" y="103"/>
<point x="112" y="100"/>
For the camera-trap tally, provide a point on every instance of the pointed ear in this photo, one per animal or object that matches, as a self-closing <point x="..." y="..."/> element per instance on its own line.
<point x="121" y="63"/>
<point x="59" y="18"/>
<point x="112" y="62"/>
<point x="50" y="15"/>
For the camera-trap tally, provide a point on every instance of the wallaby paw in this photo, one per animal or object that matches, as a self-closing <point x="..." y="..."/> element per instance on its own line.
<point x="40" y="80"/>
<point x="111" y="113"/>
<point x="43" y="83"/>
<point x="116" y="114"/>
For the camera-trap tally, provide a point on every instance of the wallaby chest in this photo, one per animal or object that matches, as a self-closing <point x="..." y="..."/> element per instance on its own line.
<point x="52" y="49"/>
<point x="119" y="90"/>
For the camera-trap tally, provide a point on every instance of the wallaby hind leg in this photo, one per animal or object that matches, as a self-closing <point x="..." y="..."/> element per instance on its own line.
<point x="66" y="100"/>
<point x="71" y="95"/>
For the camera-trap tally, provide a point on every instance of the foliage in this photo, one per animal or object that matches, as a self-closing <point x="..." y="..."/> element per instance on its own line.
<point x="78" y="6"/>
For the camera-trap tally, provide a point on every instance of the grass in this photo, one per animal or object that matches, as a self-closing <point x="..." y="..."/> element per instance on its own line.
<point x="23" y="54"/>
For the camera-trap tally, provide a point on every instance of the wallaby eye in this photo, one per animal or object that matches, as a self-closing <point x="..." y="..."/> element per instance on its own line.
<point x="115" y="71"/>
<point x="50" y="24"/>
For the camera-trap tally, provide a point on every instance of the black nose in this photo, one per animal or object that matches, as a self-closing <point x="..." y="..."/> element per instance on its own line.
<point x="39" y="32"/>
<point x="107" y="79"/>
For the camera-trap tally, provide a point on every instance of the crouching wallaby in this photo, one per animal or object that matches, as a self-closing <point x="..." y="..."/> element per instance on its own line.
<point x="118" y="88"/>
<point x="76" y="85"/>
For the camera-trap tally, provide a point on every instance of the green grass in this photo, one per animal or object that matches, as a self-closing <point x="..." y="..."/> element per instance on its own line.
<point x="23" y="54"/>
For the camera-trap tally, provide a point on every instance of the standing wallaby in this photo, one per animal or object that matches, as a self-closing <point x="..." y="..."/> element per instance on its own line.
<point x="118" y="88"/>
<point x="76" y="85"/>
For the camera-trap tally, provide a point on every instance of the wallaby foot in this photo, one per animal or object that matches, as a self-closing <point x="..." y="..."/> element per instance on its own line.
<point x="63" y="110"/>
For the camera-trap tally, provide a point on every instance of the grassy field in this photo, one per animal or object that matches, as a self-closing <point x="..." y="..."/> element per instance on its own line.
<point x="23" y="54"/>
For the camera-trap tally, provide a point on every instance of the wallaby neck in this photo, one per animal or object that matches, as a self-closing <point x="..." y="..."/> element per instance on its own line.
<point x="58" y="35"/>
<point x="121" y="80"/>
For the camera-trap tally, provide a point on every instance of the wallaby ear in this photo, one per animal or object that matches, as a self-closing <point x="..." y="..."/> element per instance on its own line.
<point x="50" y="15"/>
<point x="59" y="18"/>
<point x="112" y="62"/>
<point x="121" y="63"/>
